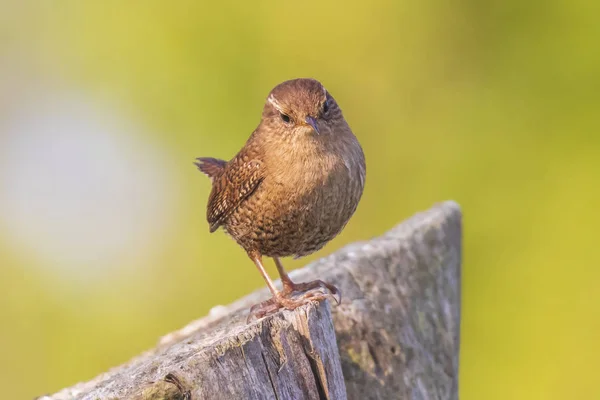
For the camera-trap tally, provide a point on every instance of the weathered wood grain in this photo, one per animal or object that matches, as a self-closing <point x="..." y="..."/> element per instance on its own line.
<point x="397" y="332"/>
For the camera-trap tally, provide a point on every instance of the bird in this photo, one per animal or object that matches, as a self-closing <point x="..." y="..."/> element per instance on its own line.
<point x="291" y="189"/>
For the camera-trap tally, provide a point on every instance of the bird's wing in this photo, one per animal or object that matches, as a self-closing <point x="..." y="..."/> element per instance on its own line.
<point x="239" y="179"/>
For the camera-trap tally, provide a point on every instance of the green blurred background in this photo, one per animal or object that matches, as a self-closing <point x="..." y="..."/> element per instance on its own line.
<point x="105" y="104"/>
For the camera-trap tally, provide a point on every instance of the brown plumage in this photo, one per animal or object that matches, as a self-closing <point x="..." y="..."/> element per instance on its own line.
<point x="292" y="187"/>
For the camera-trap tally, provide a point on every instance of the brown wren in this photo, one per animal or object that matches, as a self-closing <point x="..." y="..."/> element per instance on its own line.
<point x="291" y="188"/>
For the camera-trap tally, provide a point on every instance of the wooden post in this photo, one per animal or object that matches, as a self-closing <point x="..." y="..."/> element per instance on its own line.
<point x="395" y="335"/>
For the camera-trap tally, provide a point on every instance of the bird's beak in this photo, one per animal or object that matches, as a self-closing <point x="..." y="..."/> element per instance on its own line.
<point x="313" y="123"/>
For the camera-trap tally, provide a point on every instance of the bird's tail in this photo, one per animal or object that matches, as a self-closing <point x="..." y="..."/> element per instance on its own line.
<point x="211" y="167"/>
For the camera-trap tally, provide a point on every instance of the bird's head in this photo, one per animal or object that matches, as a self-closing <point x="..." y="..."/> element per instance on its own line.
<point x="301" y="106"/>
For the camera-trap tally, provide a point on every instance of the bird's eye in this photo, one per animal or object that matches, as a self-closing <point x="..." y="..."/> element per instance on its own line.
<point x="326" y="106"/>
<point x="285" y="118"/>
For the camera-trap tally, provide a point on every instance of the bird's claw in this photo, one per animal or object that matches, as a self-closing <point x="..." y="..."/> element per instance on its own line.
<point x="293" y="296"/>
<point x="319" y="286"/>
<point x="263" y="309"/>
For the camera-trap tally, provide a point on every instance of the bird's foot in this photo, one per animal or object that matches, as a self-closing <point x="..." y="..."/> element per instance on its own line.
<point x="293" y="296"/>
<point x="263" y="309"/>
<point x="313" y="290"/>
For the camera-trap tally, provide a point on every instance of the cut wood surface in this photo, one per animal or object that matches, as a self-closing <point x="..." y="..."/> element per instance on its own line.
<point x="395" y="335"/>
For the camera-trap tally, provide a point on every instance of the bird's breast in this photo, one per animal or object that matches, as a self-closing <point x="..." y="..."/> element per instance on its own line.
<point x="319" y="188"/>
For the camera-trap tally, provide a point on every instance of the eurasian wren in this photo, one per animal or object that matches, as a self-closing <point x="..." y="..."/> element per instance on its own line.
<point x="291" y="188"/>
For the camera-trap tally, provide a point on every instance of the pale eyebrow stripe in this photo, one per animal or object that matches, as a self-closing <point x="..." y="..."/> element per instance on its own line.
<point x="273" y="101"/>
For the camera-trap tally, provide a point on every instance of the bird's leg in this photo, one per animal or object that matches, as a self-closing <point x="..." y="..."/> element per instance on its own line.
<point x="257" y="258"/>
<point x="285" y="298"/>
<point x="312" y="290"/>
<point x="269" y="306"/>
